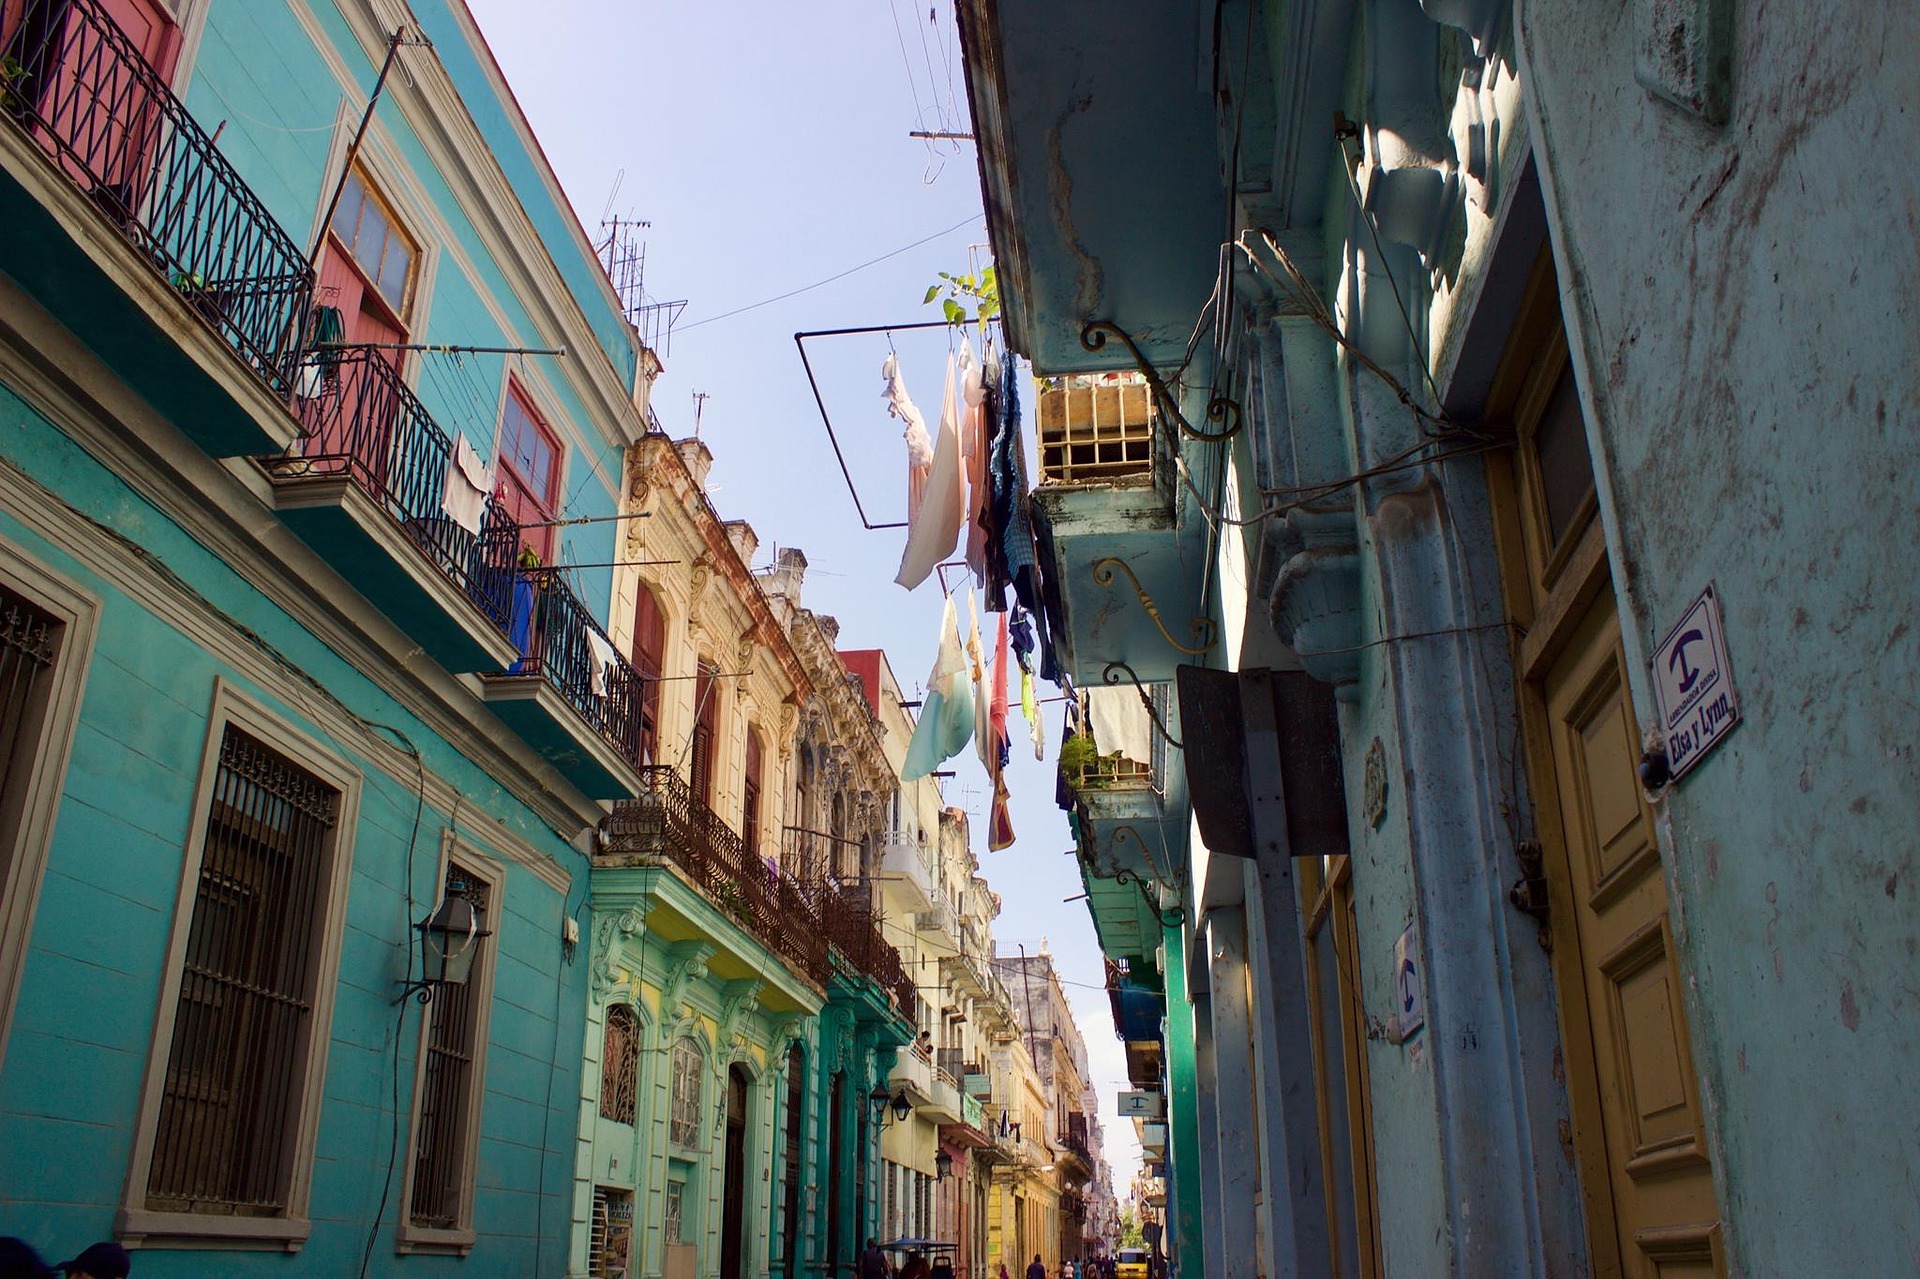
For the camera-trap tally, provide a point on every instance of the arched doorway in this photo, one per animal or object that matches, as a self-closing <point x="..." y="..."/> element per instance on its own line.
<point x="733" y="1208"/>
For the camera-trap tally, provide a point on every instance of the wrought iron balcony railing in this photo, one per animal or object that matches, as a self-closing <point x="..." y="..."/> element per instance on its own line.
<point x="852" y="928"/>
<point x="360" y="422"/>
<point x="550" y="625"/>
<point x="86" y="95"/>
<point x="668" y="822"/>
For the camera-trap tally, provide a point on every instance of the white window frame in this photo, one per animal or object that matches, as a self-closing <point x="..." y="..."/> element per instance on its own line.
<point x="26" y="832"/>
<point x="675" y="1120"/>
<point x="135" y="1222"/>
<point x="458" y="1241"/>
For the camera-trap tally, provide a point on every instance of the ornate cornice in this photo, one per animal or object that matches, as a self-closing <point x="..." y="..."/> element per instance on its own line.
<point x="686" y="964"/>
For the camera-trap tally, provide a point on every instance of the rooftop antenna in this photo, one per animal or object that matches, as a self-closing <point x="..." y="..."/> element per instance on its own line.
<point x="700" y="399"/>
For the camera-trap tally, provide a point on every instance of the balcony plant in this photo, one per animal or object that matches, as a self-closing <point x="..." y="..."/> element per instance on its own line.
<point x="1084" y="768"/>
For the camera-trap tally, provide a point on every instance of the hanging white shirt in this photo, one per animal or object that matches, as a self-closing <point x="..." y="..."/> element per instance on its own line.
<point x="469" y="483"/>
<point x="935" y="530"/>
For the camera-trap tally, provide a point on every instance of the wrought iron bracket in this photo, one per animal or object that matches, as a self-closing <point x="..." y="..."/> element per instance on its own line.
<point x="1221" y="409"/>
<point x="1111" y="674"/>
<point x="1202" y="628"/>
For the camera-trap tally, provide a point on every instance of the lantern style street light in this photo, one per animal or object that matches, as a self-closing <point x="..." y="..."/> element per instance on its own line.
<point x="879" y="1100"/>
<point x="942" y="1166"/>
<point x="450" y="940"/>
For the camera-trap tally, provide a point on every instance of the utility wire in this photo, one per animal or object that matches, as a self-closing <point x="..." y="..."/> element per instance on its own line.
<point x="808" y="288"/>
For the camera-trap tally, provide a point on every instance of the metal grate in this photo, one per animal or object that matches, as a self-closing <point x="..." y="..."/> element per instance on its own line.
<point x="683" y="1121"/>
<point x="620" y="1065"/>
<point x="1095" y="430"/>
<point x="446" y="1093"/>
<point x="236" y="1066"/>
<point x="29" y="642"/>
<point x="789" y="1263"/>
<point x="610" y="1237"/>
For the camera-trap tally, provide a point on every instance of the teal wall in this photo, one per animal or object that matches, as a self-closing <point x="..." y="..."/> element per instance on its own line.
<point x="69" y="1085"/>
<point x="259" y="72"/>
<point x="1187" y="1243"/>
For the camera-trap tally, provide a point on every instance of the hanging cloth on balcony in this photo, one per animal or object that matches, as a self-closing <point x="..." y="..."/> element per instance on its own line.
<point x="1119" y="723"/>
<point x="982" y="700"/>
<point x="520" y="623"/>
<point x="946" y="717"/>
<point x="999" y="821"/>
<point x="973" y="449"/>
<point x="943" y="509"/>
<point x="469" y="482"/>
<point x="602" y="657"/>
<point x="919" y="443"/>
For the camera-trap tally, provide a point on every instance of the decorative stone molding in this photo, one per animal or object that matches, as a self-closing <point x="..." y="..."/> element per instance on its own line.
<point x="1316" y="611"/>
<point x="686" y="964"/>
<point x="740" y="1002"/>
<point x="1409" y="175"/>
<point x="609" y="948"/>
<point x="1683" y="52"/>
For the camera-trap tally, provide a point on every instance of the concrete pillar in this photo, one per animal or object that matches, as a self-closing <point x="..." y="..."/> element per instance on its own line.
<point x="1206" y="1097"/>
<point x="1238" y="1105"/>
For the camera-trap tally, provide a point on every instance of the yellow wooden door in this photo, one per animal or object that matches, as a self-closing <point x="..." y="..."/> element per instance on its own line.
<point x="1646" y="1143"/>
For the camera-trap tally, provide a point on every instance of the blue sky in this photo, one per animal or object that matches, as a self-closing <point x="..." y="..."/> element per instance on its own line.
<point x="768" y="146"/>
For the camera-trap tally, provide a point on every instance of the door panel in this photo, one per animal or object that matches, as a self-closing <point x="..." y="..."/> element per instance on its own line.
<point x="1621" y="955"/>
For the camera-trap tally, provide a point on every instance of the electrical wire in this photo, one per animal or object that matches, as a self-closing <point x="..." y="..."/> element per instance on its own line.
<point x="841" y="275"/>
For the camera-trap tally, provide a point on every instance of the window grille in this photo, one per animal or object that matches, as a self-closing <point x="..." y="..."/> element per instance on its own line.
<point x="1095" y="430"/>
<point x="675" y="1212"/>
<point x="620" y="1065"/>
<point x="29" y="642"/>
<point x="610" y="1237"/>
<point x="892" y="1217"/>
<point x="446" y="1090"/>
<point x="683" y="1123"/>
<point x="796" y="1113"/>
<point x="231" y="1095"/>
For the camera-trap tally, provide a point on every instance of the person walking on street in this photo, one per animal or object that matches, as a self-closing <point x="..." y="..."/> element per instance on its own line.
<point x="1038" y="1270"/>
<point x="873" y="1262"/>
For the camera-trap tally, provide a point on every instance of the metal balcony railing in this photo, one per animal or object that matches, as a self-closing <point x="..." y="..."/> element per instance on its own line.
<point x="360" y="421"/>
<point x="669" y="823"/>
<point x="85" y="94"/>
<point x="853" y="930"/>
<point x="551" y="625"/>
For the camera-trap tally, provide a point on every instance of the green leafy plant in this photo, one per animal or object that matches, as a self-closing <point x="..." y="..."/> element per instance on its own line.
<point x="1084" y="767"/>
<point x="968" y="297"/>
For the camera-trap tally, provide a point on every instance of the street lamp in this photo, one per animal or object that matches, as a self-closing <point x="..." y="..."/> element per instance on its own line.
<point x="942" y="1165"/>
<point x="449" y="943"/>
<point x="879" y="1100"/>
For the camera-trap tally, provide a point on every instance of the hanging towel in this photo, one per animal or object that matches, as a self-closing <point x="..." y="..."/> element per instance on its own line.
<point x="946" y="716"/>
<point x="982" y="697"/>
<point x="601" y="655"/>
<point x="1030" y="707"/>
<point x="936" y="529"/>
<point x="973" y="451"/>
<point x="469" y="481"/>
<point x="1119" y="723"/>
<point x="520" y="624"/>
<point x="919" y="443"/>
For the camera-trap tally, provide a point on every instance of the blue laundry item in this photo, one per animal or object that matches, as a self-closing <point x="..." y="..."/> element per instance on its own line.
<point x="946" y="716"/>
<point x="520" y="624"/>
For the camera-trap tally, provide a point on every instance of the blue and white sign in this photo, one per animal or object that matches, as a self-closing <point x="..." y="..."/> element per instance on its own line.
<point x="1693" y="684"/>
<point x="1409" y="987"/>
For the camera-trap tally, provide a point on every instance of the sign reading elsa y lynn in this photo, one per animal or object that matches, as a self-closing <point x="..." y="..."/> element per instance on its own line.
<point x="1693" y="684"/>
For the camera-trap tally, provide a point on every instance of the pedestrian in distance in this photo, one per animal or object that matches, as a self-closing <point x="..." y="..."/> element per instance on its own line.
<point x="100" y="1261"/>
<point x="873" y="1262"/>
<point x="1003" y="1271"/>
<point x="18" y="1260"/>
<point x="1038" y="1269"/>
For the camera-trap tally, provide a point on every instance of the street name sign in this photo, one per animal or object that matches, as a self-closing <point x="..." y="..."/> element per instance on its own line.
<point x="1693" y="685"/>
<point x="1143" y="1105"/>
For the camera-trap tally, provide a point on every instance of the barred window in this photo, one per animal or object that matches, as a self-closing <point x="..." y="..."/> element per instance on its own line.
<point x="620" y="1065"/>
<point x="610" y="1237"/>
<point x="30" y="644"/>
<point x="443" y="1131"/>
<point x="683" y="1123"/>
<point x="232" y="1091"/>
<point x="675" y="1214"/>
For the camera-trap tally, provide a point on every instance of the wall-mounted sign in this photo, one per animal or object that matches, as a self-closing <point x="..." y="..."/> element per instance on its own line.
<point x="1409" y="987"/>
<point x="1143" y="1105"/>
<point x="1693" y="685"/>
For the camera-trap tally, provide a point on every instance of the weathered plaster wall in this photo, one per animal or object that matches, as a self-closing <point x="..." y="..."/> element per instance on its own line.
<point x="1742" y="300"/>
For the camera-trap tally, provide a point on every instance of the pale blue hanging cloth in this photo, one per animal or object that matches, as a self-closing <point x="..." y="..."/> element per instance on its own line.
<point x="946" y="716"/>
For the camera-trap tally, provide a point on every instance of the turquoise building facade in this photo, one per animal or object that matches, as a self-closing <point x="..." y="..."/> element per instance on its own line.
<point x="278" y="686"/>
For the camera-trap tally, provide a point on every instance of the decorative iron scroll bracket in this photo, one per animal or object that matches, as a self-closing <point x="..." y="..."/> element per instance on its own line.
<point x="1144" y="886"/>
<point x="1201" y="628"/>
<point x="1111" y="675"/>
<point x="1220" y="409"/>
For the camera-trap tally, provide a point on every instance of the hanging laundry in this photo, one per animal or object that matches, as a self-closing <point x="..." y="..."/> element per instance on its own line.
<point x="1119" y="723"/>
<point x="600" y="657"/>
<point x="1010" y="514"/>
<point x="947" y="714"/>
<point x="469" y="481"/>
<point x="1030" y="707"/>
<point x="973" y="450"/>
<point x="982" y="707"/>
<point x="919" y="443"/>
<point x="999" y="820"/>
<point x="936" y="529"/>
<point x="520" y="623"/>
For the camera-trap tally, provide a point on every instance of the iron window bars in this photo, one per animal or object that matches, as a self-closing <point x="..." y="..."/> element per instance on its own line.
<point x="620" y="1065"/>
<point x="242" y="1028"/>
<point x="85" y="94"/>
<point x="440" y="1142"/>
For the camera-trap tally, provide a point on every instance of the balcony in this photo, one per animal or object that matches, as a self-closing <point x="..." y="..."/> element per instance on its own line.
<point x="1137" y="1008"/>
<point x="366" y="486"/>
<point x="667" y="825"/>
<point x="907" y="866"/>
<point x="852" y="930"/>
<point x="126" y="223"/>
<point x="945" y="1102"/>
<point x="938" y="928"/>
<point x="912" y="1073"/>
<point x="584" y="715"/>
